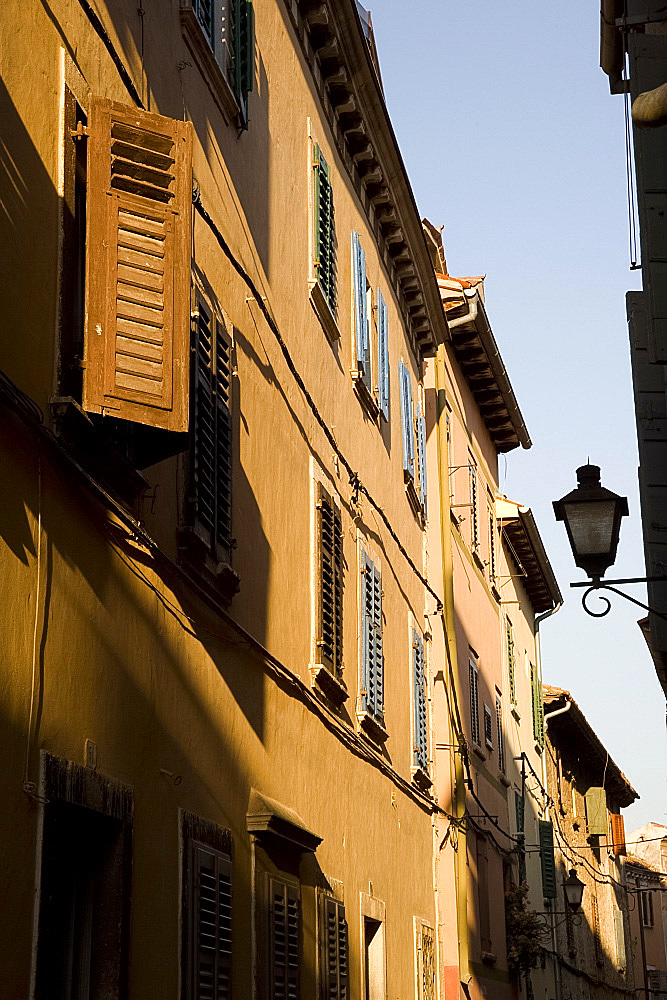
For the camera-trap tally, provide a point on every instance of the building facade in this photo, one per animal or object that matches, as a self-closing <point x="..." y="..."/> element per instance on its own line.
<point x="216" y="704"/>
<point x="587" y="791"/>
<point x="646" y="878"/>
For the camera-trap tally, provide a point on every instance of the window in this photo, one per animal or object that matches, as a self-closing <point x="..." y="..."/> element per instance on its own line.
<point x="488" y="727"/>
<point x="139" y="207"/>
<point x="425" y="960"/>
<point x="538" y="707"/>
<point x="420" y="749"/>
<point x="500" y="734"/>
<point x="474" y="513"/>
<point x="646" y="907"/>
<point x="372" y="662"/>
<point x="207" y="910"/>
<point x="210" y="495"/>
<point x="474" y="700"/>
<point x="333" y="949"/>
<point x="330" y="583"/>
<point x="383" y="356"/>
<point x="407" y="423"/>
<point x="226" y="55"/>
<point x="374" y="959"/>
<point x="284" y="938"/>
<point x="511" y="665"/>
<point x="85" y="883"/>
<point x="324" y="238"/>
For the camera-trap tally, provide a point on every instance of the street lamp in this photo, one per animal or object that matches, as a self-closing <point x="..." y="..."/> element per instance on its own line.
<point x="592" y="517"/>
<point x="574" y="891"/>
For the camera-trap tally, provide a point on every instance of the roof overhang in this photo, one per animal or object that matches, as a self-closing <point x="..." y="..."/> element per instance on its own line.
<point x="334" y="43"/>
<point x="572" y="732"/>
<point x="525" y="544"/>
<point x="481" y="364"/>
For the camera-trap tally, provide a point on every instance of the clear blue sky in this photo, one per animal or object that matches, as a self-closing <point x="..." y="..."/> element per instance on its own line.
<point x="513" y="142"/>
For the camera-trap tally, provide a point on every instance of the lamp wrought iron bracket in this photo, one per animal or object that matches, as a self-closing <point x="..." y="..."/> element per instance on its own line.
<point x="574" y="916"/>
<point x="602" y="584"/>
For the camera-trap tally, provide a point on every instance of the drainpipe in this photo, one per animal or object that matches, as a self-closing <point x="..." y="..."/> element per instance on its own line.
<point x="461" y="868"/>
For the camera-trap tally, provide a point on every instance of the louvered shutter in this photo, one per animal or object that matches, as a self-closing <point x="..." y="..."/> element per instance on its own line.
<point x="501" y="735"/>
<point x="285" y="945"/>
<point x="538" y="707"/>
<point x="518" y="811"/>
<point x="378" y="655"/>
<point x="427" y="963"/>
<point x="243" y="63"/>
<point x="212" y="425"/>
<point x="474" y="703"/>
<point x="361" y="333"/>
<point x="212" y="931"/>
<point x="334" y="949"/>
<point x="547" y="859"/>
<point x="618" y="833"/>
<point x="138" y="266"/>
<point x="406" y="422"/>
<point x="420" y="751"/>
<point x="509" y="634"/>
<point x="330" y="586"/>
<point x="325" y="261"/>
<point x="372" y="663"/>
<point x="383" y="357"/>
<point x="204" y="11"/>
<point x="421" y="455"/>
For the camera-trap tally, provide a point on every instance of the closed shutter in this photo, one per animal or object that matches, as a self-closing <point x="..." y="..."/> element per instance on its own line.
<point x="333" y="930"/>
<point x="361" y="331"/>
<point x="324" y="239"/>
<point x="474" y="703"/>
<point x="547" y="859"/>
<point x="596" y="811"/>
<point x="618" y="833"/>
<point x="420" y="752"/>
<point x="383" y="357"/>
<point x="243" y="61"/>
<point x="212" y="924"/>
<point x="212" y="424"/>
<point x="501" y="735"/>
<point x="406" y="422"/>
<point x="474" y="507"/>
<point x="511" y="668"/>
<point x="372" y="667"/>
<point x="619" y="929"/>
<point x="138" y="266"/>
<point x="284" y="940"/>
<point x="427" y="963"/>
<point x="519" y="811"/>
<point x="330" y="585"/>
<point x="538" y="707"/>
<point x="204" y="11"/>
<point x="421" y="455"/>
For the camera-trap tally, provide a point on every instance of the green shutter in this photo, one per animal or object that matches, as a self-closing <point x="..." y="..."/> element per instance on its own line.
<point x="509" y="632"/>
<point x="538" y="708"/>
<point x="324" y="238"/>
<point x="596" y="812"/>
<point x="547" y="859"/>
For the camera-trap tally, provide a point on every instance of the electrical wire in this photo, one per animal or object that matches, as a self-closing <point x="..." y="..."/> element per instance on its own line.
<point x="109" y="46"/>
<point x="357" y="485"/>
<point x="29" y="786"/>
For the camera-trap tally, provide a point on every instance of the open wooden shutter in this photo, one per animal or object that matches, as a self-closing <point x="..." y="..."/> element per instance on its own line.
<point x="243" y="67"/>
<point x="519" y="811"/>
<point x="325" y="259"/>
<point x="138" y="266"/>
<point x="474" y="703"/>
<point x="509" y="635"/>
<point x="383" y="357"/>
<point x="330" y="584"/>
<point x="377" y="658"/>
<point x="284" y="959"/>
<point x="420" y="753"/>
<point x="335" y="970"/>
<point x="406" y="422"/>
<point x="547" y="860"/>
<point x="596" y="811"/>
<point x="538" y="707"/>
<point x="372" y="661"/>
<point x="212" y="936"/>
<point x="618" y="833"/>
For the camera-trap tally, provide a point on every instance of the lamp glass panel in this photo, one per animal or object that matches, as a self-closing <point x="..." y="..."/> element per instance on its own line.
<point x="574" y="891"/>
<point x="591" y="526"/>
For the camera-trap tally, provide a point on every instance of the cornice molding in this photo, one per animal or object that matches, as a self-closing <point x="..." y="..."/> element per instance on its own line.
<point x="336" y="51"/>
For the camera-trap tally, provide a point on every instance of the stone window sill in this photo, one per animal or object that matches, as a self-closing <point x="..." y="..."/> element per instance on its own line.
<point x="323" y="311"/>
<point x="421" y="779"/>
<point x="365" y="396"/>
<point x="478" y="752"/>
<point x="373" y="728"/>
<point x="207" y="64"/>
<point x="333" y="688"/>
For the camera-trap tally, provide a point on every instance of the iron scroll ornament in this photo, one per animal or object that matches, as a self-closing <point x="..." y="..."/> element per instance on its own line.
<point x="594" y="585"/>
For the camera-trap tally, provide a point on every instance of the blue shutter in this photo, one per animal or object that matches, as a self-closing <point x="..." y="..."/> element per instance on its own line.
<point x="361" y="336"/>
<point x="406" y="422"/>
<point x="421" y="455"/>
<point x="378" y="659"/>
<point x="383" y="357"/>
<point x="420" y="756"/>
<point x="367" y="693"/>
